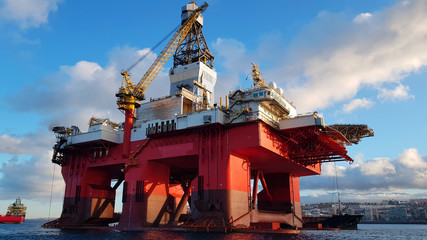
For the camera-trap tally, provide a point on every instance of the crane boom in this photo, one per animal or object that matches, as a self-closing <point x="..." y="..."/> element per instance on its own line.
<point x="168" y="50"/>
<point x="129" y="94"/>
<point x="138" y="90"/>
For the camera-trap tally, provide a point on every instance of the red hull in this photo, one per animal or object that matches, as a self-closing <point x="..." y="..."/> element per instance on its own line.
<point x="214" y="164"/>
<point x="12" y="219"/>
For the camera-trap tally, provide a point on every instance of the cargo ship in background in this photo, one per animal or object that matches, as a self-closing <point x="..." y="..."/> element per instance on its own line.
<point x="15" y="213"/>
<point x="334" y="222"/>
<point x="236" y="164"/>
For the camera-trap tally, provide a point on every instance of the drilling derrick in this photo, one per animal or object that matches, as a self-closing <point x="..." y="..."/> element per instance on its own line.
<point x="236" y="167"/>
<point x="193" y="65"/>
<point x="194" y="47"/>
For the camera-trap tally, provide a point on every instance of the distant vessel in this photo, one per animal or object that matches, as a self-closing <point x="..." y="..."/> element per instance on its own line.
<point x="338" y="222"/>
<point x="335" y="222"/>
<point x="15" y="213"/>
<point x="346" y="221"/>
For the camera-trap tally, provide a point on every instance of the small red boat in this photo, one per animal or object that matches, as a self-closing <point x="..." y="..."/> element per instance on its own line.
<point x="15" y="213"/>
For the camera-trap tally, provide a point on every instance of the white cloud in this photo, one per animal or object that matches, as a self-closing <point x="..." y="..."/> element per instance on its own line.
<point x="82" y="71"/>
<point x="233" y="57"/>
<point x="333" y="58"/>
<point x="25" y="144"/>
<point x="378" y="166"/>
<point x="233" y="53"/>
<point x="401" y="92"/>
<point x="315" y="195"/>
<point x="385" y="175"/>
<point x="381" y="50"/>
<point x="78" y="92"/>
<point x="29" y="178"/>
<point x="9" y="144"/>
<point x="358" y="160"/>
<point x="357" y="103"/>
<point x="362" y="17"/>
<point x="83" y="88"/>
<point x="27" y="13"/>
<point x="332" y="170"/>
<point x="412" y="159"/>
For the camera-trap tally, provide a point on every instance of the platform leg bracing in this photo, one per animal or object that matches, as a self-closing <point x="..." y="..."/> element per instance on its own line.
<point x="89" y="198"/>
<point x="179" y="209"/>
<point x="145" y="196"/>
<point x="282" y="197"/>
<point x="222" y="190"/>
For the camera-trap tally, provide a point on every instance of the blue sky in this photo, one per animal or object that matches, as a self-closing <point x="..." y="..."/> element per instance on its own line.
<point x="357" y="62"/>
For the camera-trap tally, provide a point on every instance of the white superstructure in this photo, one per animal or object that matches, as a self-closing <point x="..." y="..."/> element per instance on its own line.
<point x="197" y="78"/>
<point x="183" y="108"/>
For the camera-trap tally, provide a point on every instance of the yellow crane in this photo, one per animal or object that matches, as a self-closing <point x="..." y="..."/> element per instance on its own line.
<point x="129" y="95"/>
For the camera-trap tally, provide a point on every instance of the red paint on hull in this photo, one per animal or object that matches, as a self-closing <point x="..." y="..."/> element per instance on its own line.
<point x="12" y="219"/>
<point x="217" y="162"/>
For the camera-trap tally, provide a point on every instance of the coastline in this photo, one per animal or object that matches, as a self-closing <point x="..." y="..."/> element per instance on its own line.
<point x="392" y="222"/>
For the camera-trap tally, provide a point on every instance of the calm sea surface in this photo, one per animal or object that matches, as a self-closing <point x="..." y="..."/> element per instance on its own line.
<point x="32" y="229"/>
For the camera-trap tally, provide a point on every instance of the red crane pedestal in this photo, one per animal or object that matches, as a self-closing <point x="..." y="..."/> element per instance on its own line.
<point x="127" y="132"/>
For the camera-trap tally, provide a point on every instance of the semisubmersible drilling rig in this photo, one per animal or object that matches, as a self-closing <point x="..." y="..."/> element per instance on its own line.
<point x="184" y="161"/>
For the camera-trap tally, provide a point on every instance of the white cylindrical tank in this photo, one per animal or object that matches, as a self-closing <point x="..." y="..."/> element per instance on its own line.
<point x="280" y="90"/>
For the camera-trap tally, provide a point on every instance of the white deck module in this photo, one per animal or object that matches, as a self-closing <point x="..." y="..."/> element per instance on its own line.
<point x="179" y="122"/>
<point x="302" y="121"/>
<point x="100" y="131"/>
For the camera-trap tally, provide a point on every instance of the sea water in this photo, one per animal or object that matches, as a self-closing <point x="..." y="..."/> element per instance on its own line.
<point x="32" y="229"/>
